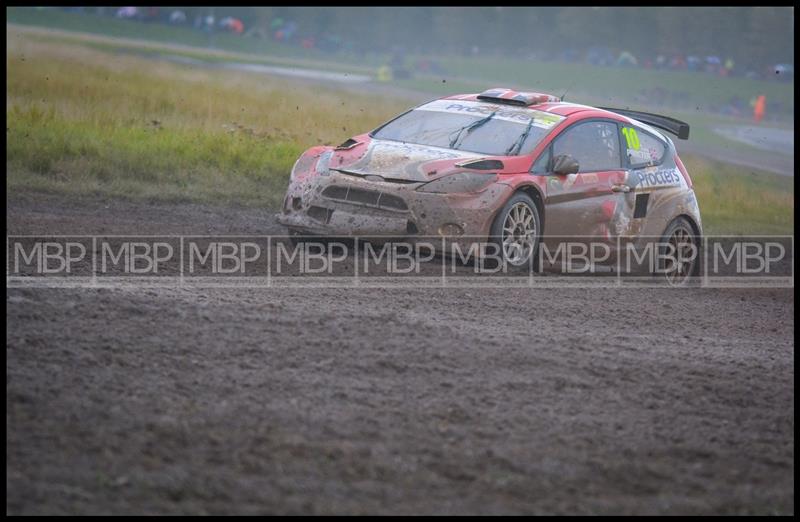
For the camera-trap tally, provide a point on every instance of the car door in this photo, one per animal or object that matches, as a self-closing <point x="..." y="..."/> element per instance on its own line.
<point x="582" y="207"/>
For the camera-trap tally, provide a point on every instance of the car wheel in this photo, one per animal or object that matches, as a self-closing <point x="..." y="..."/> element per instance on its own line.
<point x="680" y="253"/>
<point x="516" y="231"/>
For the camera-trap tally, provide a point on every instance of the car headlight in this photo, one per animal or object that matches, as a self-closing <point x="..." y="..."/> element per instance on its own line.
<point x="460" y="182"/>
<point x="323" y="162"/>
<point x="303" y="164"/>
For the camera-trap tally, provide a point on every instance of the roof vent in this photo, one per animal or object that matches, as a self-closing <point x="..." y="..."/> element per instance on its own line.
<point x="348" y="144"/>
<point x="499" y="95"/>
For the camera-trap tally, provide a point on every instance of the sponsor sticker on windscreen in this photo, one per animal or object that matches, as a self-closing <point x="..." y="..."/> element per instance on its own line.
<point x="521" y="115"/>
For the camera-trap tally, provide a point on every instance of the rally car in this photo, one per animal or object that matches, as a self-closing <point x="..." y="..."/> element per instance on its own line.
<point x="513" y="168"/>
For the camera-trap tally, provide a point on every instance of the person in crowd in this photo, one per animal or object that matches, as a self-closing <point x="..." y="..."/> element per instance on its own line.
<point x="759" y="106"/>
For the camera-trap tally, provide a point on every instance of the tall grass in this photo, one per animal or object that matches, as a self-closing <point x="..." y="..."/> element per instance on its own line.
<point x="614" y="85"/>
<point x="81" y="120"/>
<point x="737" y="200"/>
<point x="86" y="121"/>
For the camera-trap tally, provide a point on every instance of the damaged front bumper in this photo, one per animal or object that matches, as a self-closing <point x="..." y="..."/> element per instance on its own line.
<point x="345" y="205"/>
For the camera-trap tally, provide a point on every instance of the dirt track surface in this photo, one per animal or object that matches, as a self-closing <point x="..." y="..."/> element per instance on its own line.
<point x="770" y="162"/>
<point x="388" y="400"/>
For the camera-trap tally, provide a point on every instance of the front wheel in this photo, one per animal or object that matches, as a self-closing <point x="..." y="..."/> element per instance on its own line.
<point x="516" y="231"/>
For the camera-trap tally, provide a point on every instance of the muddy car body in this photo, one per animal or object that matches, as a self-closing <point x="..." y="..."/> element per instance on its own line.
<point x="459" y="167"/>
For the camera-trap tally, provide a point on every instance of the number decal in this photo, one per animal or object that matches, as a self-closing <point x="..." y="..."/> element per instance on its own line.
<point x="631" y="137"/>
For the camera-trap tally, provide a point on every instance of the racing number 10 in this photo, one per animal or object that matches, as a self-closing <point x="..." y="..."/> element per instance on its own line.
<point x="631" y="137"/>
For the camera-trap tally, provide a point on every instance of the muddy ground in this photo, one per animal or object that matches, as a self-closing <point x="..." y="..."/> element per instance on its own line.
<point x="349" y="401"/>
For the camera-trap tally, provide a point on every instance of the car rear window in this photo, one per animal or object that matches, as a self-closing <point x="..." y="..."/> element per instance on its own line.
<point x="643" y="149"/>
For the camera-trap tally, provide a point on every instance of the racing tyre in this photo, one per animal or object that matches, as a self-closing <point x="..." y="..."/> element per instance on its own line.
<point x="679" y="258"/>
<point x="516" y="231"/>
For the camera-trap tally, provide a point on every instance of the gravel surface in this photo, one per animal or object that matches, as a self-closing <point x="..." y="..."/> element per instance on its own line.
<point x="409" y="401"/>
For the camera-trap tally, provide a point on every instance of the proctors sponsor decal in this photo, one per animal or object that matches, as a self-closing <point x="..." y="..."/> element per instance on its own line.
<point x="519" y="115"/>
<point x="650" y="178"/>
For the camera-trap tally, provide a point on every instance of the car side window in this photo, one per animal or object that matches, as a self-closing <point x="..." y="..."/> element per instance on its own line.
<point x="542" y="165"/>
<point x="643" y="149"/>
<point x="595" y="144"/>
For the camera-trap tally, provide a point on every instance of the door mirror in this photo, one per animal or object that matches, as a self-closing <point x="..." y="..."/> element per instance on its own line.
<point x="565" y="164"/>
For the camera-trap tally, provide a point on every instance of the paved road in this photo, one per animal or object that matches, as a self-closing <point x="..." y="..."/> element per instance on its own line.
<point x="764" y="138"/>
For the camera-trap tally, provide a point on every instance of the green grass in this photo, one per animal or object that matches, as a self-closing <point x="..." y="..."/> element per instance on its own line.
<point x="85" y="121"/>
<point x="586" y="83"/>
<point x="701" y="123"/>
<point x="736" y="200"/>
<point x="692" y="93"/>
<point x="48" y="151"/>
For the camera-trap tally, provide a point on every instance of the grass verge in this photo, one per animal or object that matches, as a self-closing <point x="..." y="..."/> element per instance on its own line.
<point x="85" y="121"/>
<point x="612" y="85"/>
<point x="738" y="200"/>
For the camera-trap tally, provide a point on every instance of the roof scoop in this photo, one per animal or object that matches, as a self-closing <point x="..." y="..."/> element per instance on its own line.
<point x="348" y="144"/>
<point x="511" y="97"/>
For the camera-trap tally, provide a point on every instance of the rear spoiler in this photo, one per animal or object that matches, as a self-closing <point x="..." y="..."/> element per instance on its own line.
<point x="671" y="125"/>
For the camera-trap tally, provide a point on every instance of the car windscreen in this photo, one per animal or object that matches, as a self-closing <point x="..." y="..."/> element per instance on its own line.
<point x="483" y="128"/>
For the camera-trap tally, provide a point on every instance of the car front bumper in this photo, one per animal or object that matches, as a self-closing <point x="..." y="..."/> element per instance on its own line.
<point x="344" y="205"/>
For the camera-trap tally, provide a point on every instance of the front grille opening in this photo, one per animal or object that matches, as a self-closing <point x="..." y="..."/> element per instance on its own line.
<point x="335" y="192"/>
<point x="371" y="198"/>
<point x="367" y="197"/>
<point x="321" y="214"/>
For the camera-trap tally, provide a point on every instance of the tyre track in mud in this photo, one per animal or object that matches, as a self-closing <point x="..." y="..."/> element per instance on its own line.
<point x="431" y="400"/>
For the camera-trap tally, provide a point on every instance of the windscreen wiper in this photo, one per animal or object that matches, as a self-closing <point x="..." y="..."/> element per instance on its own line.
<point x="469" y="128"/>
<point x="515" y="147"/>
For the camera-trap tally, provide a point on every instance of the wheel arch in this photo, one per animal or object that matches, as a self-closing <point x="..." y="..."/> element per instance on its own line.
<point x="535" y="193"/>
<point x="695" y="227"/>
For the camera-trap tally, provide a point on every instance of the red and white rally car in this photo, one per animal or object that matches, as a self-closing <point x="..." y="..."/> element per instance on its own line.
<point x="513" y="168"/>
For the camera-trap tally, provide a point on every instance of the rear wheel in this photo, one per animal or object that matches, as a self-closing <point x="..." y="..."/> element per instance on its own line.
<point x="680" y="253"/>
<point x="516" y="231"/>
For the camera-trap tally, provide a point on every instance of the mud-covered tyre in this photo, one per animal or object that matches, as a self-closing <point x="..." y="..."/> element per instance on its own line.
<point x="516" y="232"/>
<point x="679" y="254"/>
